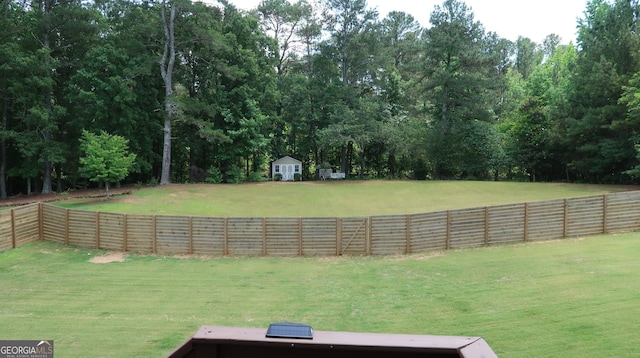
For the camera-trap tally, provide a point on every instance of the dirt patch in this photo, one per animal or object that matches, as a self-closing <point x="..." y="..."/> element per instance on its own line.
<point x="110" y="257"/>
<point x="19" y="200"/>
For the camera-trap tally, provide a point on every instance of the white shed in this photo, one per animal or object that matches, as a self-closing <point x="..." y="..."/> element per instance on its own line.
<point x="287" y="167"/>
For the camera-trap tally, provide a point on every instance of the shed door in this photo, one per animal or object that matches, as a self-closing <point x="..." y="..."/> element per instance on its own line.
<point x="287" y="172"/>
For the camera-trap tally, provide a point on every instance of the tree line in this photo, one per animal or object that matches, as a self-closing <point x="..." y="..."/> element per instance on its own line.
<point x="205" y="92"/>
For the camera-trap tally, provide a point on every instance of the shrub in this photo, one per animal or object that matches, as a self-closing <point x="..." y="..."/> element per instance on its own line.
<point x="214" y="176"/>
<point x="234" y="175"/>
<point x="277" y="177"/>
<point x="255" y="177"/>
<point x="297" y="177"/>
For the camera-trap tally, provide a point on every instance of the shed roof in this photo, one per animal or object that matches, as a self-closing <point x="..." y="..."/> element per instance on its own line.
<point x="287" y="160"/>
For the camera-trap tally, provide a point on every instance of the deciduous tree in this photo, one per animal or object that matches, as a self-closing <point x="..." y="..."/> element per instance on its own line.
<point x="106" y="157"/>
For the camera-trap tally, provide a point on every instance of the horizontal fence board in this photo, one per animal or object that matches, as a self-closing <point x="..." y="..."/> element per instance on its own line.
<point x="428" y="231"/>
<point x="139" y="233"/>
<point x="26" y="224"/>
<point x="5" y="218"/>
<point x="623" y="197"/>
<point x="6" y="230"/>
<point x="282" y="236"/>
<point x="208" y="236"/>
<point x="245" y="236"/>
<point x="623" y="224"/>
<point x="54" y="224"/>
<point x="623" y="211"/>
<point x="319" y="236"/>
<point x="545" y="220"/>
<point x="389" y="234"/>
<point x="467" y="228"/>
<point x="585" y="216"/>
<point x="111" y="231"/>
<point x="506" y="224"/>
<point x="173" y="235"/>
<point x="82" y="228"/>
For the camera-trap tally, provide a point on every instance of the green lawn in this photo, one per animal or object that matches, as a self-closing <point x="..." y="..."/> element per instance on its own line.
<point x="329" y="199"/>
<point x="569" y="298"/>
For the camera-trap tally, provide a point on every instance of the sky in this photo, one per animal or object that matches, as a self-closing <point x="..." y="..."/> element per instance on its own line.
<point x="534" y="19"/>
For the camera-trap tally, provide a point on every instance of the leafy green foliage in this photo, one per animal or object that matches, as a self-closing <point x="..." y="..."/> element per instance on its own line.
<point x="213" y="176"/>
<point x="106" y="157"/>
<point x="530" y="137"/>
<point x="324" y="82"/>
<point x="605" y="64"/>
<point x="528" y="56"/>
<point x="456" y="82"/>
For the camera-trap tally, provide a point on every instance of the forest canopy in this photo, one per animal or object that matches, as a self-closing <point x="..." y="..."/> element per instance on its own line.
<point x="210" y="93"/>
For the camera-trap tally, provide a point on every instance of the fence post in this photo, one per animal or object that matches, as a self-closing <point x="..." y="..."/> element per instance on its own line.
<point x="264" y="236"/>
<point x="97" y="230"/>
<point x="154" y="238"/>
<point x="300" y="236"/>
<point x="605" y="208"/>
<point x="66" y="227"/>
<point x="408" y="233"/>
<point x="225" y="238"/>
<point x="190" y="235"/>
<point x="13" y="229"/>
<point x="338" y="236"/>
<point x="367" y="236"/>
<point x="565" y="227"/>
<point x="486" y="226"/>
<point x="40" y="221"/>
<point x="448" y="234"/>
<point x="125" y="223"/>
<point x="526" y="222"/>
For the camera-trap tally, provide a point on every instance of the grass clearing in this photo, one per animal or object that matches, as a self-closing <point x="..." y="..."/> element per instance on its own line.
<point x="570" y="298"/>
<point x="332" y="198"/>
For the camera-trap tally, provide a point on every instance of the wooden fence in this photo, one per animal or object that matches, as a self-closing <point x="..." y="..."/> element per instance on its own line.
<point x="20" y="226"/>
<point x="374" y="235"/>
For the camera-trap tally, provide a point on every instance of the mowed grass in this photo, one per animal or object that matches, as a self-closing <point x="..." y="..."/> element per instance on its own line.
<point x="330" y="199"/>
<point x="568" y="298"/>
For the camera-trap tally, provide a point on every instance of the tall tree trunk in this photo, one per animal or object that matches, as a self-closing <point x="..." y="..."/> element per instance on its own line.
<point x="166" y="69"/>
<point x="3" y="148"/>
<point x="59" y="186"/>
<point x="46" y="184"/>
<point x="349" y="157"/>
<point x="343" y="158"/>
<point x="5" y="114"/>
<point x="392" y="164"/>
